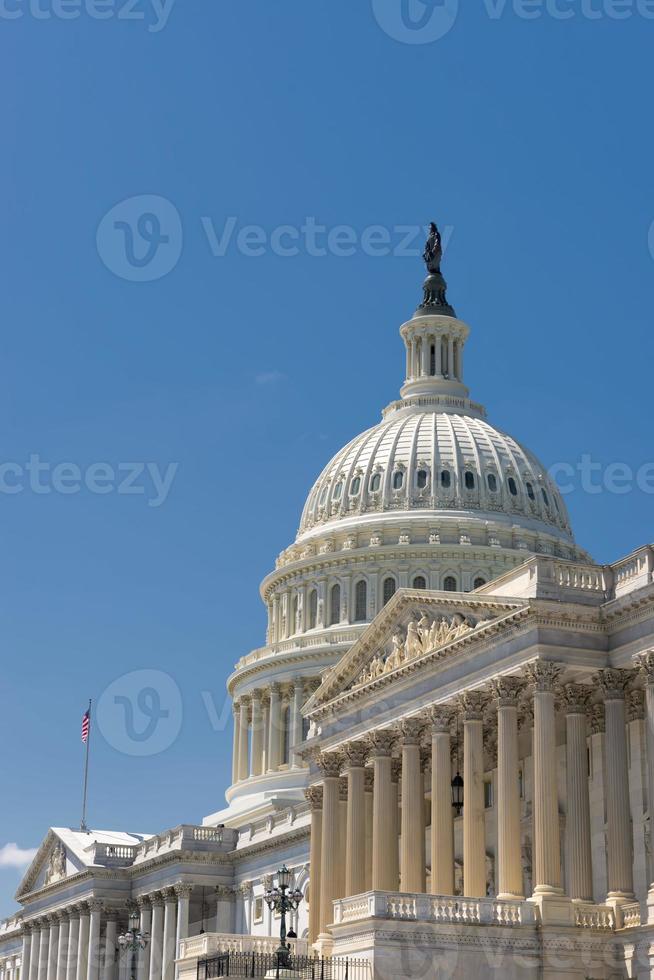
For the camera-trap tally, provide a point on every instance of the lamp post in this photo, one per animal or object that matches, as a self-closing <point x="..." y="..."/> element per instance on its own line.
<point x="133" y="940"/>
<point x="279" y="899"/>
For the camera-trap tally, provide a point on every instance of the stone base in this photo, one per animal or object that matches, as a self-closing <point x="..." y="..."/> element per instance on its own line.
<point x="553" y="909"/>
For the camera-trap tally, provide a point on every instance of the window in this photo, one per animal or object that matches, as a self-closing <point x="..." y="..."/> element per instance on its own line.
<point x="422" y="479"/>
<point x="335" y="605"/>
<point x="355" y="486"/>
<point x="479" y="582"/>
<point x="294" y="606"/>
<point x="361" y="602"/>
<point x="286" y="735"/>
<point x="375" y="482"/>
<point x="313" y="609"/>
<point x="446" y="479"/>
<point x="545" y="497"/>
<point x="338" y="491"/>
<point x="449" y="584"/>
<point x="398" y="480"/>
<point x="420" y="582"/>
<point x="513" y="490"/>
<point x="323" y="496"/>
<point x="432" y="360"/>
<point x="470" y="480"/>
<point x="258" y="910"/>
<point x="492" y="482"/>
<point x="530" y="491"/>
<point x="389" y="589"/>
<point x="488" y="794"/>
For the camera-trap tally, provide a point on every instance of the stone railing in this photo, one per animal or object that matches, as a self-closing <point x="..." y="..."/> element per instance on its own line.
<point x="600" y="918"/>
<point x="434" y="908"/>
<point x="114" y="855"/>
<point x="585" y="578"/>
<point x="186" y="837"/>
<point x="629" y="916"/>
<point x="213" y="943"/>
<point x="633" y="572"/>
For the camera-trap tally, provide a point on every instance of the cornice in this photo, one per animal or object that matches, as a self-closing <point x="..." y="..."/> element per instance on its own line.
<point x="272" y="844"/>
<point x="281" y="660"/>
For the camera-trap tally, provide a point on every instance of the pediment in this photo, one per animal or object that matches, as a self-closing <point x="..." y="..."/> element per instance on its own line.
<point x="412" y="628"/>
<point x="52" y="863"/>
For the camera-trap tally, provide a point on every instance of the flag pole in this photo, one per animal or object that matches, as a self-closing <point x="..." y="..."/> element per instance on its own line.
<point x="82" y="825"/>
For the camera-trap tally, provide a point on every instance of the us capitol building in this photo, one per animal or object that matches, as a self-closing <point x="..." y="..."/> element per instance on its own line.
<point x="448" y="736"/>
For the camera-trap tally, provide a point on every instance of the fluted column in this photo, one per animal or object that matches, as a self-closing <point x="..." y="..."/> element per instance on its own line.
<point x="384" y="819"/>
<point x="169" y="930"/>
<point x="73" y="945"/>
<point x="225" y="909"/>
<point x="26" y="950"/>
<point x="369" y="780"/>
<point x="62" y="952"/>
<point x="34" y="951"/>
<point x="236" y="708"/>
<point x="330" y="766"/>
<point x="506" y="691"/>
<point x="442" y="822"/>
<point x="314" y="797"/>
<point x="110" y="941"/>
<point x="256" y="762"/>
<point x="275" y="728"/>
<point x="645" y="663"/>
<point x="44" y="938"/>
<point x="547" y="843"/>
<point x="355" y="861"/>
<point x="244" y="738"/>
<point x="474" y="837"/>
<point x="575" y="699"/>
<point x="156" y="937"/>
<point x="296" y="724"/>
<point x="95" y="923"/>
<point x="83" y="942"/>
<point x="145" y="926"/>
<point x="412" y="841"/>
<point x="618" y="815"/>
<point x="53" y="947"/>
<point x="183" y="895"/>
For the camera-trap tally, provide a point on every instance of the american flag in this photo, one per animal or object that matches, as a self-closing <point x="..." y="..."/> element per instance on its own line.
<point x="86" y="725"/>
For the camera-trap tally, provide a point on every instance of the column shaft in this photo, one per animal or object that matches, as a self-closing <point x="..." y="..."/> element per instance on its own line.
<point x="618" y="816"/>
<point x="110" y="939"/>
<point x="73" y="944"/>
<point x="355" y="863"/>
<point x="83" y="946"/>
<point x="296" y="728"/>
<point x="169" y="930"/>
<point x="474" y="846"/>
<point x="442" y="822"/>
<point x="145" y="925"/>
<point x="547" y="838"/>
<point x="26" y="952"/>
<point x="235" y="749"/>
<point x="156" y="939"/>
<point x="183" y="893"/>
<point x="384" y="826"/>
<point x="509" y="882"/>
<point x="256" y="762"/>
<point x="578" y="840"/>
<point x="330" y="844"/>
<point x="244" y="739"/>
<point x="53" y="949"/>
<point x="44" y="939"/>
<point x="62" y="953"/>
<point x="275" y="725"/>
<point x="93" y="959"/>
<point x="412" y="854"/>
<point x="314" y="795"/>
<point x="34" y="954"/>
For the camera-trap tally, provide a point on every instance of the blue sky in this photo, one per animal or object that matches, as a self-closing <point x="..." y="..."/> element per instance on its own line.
<point x="529" y="139"/>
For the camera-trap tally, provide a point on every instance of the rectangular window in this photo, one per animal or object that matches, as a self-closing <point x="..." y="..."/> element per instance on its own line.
<point x="258" y="910"/>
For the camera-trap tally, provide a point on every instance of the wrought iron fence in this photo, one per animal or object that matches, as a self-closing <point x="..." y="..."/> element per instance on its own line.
<point x="267" y="964"/>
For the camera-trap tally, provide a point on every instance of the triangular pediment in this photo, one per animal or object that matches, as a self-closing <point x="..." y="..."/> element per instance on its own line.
<point x="412" y="628"/>
<point x="52" y="863"/>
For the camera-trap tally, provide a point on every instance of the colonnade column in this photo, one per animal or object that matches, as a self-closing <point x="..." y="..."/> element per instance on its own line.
<point x="330" y="766"/>
<point x="73" y="945"/>
<point x="369" y="781"/>
<point x="156" y="937"/>
<point x="296" y="724"/>
<point x="274" y="727"/>
<point x="578" y="841"/>
<point x="110" y="943"/>
<point x="506" y="691"/>
<point x="225" y="909"/>
<point x="236" y="710"/>
<point x="93" y="960"/>
<point x="645" y="663"/>
<point x="474" y="844"/>
<point x="355" y="861"/>
<point x="26" y="950"/>
<point x="83" y="942"/>
<point x="35" y="942"/>
<point x="62" y="953"/>
<point x="256" y="762"/>
<point x="44" y="938"/>
<point x="145" y="926"/>
<point x="169" y="930"/>
<point x="618" y="815"/>
<point x="547" y="837"/>
<point x="442" y="822"/>
<point x="183" y="895"/>
<point x="314" y="796"/>
<point x="53" y="946"/>
<point x="384" y="814"/>
<point x="412" y="853"/>
<point x="243" y="738"/>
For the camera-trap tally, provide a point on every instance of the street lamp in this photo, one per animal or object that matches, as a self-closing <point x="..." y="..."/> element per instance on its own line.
<point x="278" y="900"/>
<point x="133" y="940"/>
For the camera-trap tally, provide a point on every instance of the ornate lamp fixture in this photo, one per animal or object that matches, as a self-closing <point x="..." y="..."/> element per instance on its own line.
<point x="278" y="900"/>
<point x="133" y="940"/>
<point x="457" y="782"/>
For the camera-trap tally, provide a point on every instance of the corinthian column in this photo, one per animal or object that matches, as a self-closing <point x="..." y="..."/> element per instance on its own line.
<point x="384" y="819"/>
<point x="275" y="728"/>
<point x="62" y="955"/>
<point x="578" y="842"/>
<point x="26" y="951"/>
<point x="506" y="691"/>
<point x="330" y="765"/>
<point x="110" y="940"/>
<point x="34" y="952"/>
<point x="314" y="796"/>
<point x="73" y="944"/>
<point x="645" y="663"/>
<point x="442" y="822"/>
<point x="145" y="926"/>
<point x="412" y="848"/>
<point x="547" y="841"/>
<point x="236" y="709"/>
<point x="618" y="815"/>
<point x="169" y="930"/>
<point x="93" y="960"/>
<point x="474" y="837"/>
<point x="243" y="738"/>
<point x="156" y="938"/>
<point x="256" y="762"/>
<point x="355" y="861"/>
<point x="53" y="946"/>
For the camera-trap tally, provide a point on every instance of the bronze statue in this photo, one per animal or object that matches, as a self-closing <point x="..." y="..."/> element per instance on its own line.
<point x="433" y="249"/>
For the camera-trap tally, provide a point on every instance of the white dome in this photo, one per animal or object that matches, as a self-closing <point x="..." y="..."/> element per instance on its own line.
<point x="433" y="462"/>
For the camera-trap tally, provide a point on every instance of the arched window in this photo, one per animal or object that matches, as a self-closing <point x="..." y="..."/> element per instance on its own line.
<point x="398" y="480"/>
<point x="323" y="496"/>
<point x="375" y="482"/>
<point x="355" y="486"/>
<point x="422" y="479"/>
<point x="361" y="602"/>
<point x="313" y="609"/>
<point x="470" y="480"/>
<point x="513" y="489"/>
<point x="389" y="589"/>
<point x="449" y="585"/>
<point x="446" y="479"/>
<point x="338" y="491"/>
<point x="420" y="582"/>
<point x="530" y="491"/>
<point x="479" y="582"/>
<point x="545" y="497"/>
<point x="491" y="479"/>
<point x="335" y="605"/>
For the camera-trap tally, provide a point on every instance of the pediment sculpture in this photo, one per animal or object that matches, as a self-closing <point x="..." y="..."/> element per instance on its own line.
<point x="56" y="864"/>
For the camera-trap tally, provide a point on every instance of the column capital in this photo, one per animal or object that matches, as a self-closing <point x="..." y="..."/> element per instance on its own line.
<point x="543" y="675"/>
<point x="225" y="893"/>
<point x="256" y="695"/>
<point x="381" y="742"/>
<point x="27" y="928"/>
<point x="440" y="716"/>
<point x="83" y="908"/>
<point x="410" y="731"/>
<point x="112" y="914"/>
<point x="506" y="691"/>
<point x="355" y="755"/>
<point x="575" y="698"/>
<point x="95" y="905"/>
<point x="644" y="662"/>
<point x="471" y="704"/>
<point x="156" y="899"/>
<point x="143" y="902"/>
<point x="182" y="889"/>
<point x="330" y="764"/>
<point x="169" y="895"/>
<point x="613" y="683"/>
<point x="276" y="688"/>
<point x="313" y="795"/>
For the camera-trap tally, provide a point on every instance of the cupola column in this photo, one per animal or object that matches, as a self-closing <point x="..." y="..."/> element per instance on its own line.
<point x="243" y="738"/>
<point x="256" y="762"/>
<point x="275" y="727"/>
<point x="235" y="748"/>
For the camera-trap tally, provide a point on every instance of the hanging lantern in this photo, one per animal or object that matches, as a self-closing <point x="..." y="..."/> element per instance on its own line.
<point x="457" y="794"/>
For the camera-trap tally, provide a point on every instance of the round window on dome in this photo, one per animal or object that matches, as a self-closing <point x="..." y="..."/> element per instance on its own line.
<point x="355" y="486"/>
<point x="375" y="482"/>
<point x="446" y="479"/>
<point x="530" y="491"/>
<point x="470" y="480"/>
<point x="422" y="479"/>
<point x="398" y="480"/>
<point x="338" y="491"/>
<point x="491" y="479"/>
<point x="513" y="489"/>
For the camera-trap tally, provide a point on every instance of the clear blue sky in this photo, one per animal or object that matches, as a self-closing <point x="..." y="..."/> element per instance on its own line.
<point x="531" y="139"/>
